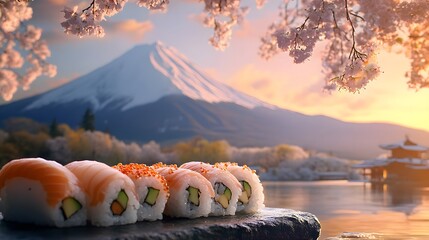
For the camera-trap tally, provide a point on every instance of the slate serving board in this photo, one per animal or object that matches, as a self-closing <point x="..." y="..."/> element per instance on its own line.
<point x="270" y="223"/>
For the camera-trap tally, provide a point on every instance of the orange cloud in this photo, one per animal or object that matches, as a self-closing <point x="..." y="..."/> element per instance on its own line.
<point x="259" y="83"/>
<point x="131" y="28"/>
<point x="58" y="2"/>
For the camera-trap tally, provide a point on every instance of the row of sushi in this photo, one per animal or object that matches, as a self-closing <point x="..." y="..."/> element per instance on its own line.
<point x="43" y="192"/>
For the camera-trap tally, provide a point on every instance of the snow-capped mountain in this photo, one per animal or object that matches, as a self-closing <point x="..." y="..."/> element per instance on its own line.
<point x="143" y="75"/>
<point x="153" y="92"/>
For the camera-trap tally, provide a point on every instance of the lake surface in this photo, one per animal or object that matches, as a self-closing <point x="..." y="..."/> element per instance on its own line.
<point x="375" y="212"/>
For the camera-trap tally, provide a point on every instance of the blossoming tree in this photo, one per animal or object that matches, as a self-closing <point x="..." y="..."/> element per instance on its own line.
<point x="352" y="32"/>
<point x="23" y="54"/>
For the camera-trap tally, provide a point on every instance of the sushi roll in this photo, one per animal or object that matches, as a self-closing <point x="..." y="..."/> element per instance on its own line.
<point x="251" y="199"/>
<point x="42" y="192"/>
<point x="190" y="193"/>
<point x="111" y="197"/>
<point x="226" y="187"/>
<point x="151" y="188"/>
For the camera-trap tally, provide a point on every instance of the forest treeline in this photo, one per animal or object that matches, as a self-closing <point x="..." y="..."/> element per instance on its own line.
<point x="22" y="137"/>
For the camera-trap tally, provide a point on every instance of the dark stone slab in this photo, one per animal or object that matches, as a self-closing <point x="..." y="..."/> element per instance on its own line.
<point x="270" y="223"/>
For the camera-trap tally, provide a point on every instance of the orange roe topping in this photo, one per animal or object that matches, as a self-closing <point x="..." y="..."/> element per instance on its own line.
<point x="225" y="165"/>
<point x="222" y="166"/>
<point x="136" y="171"/>
<point x="203" y="170"/>
<point x="161" y="165"/>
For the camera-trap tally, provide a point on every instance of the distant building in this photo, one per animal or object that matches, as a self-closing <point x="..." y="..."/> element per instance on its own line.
<point x="408" y="162"/>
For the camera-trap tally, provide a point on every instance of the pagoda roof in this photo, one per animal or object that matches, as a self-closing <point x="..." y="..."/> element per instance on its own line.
<point x="406" y="144"/>
<point x="411" y="162"/>
<point x="371" y="163"/>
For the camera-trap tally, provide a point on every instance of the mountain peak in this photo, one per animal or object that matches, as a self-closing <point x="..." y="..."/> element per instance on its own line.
<point x="143" y="75"/>
<point x="147" y="47"/>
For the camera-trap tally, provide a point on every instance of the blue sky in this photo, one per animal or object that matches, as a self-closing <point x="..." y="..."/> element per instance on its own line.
<point x="277" y="81"/>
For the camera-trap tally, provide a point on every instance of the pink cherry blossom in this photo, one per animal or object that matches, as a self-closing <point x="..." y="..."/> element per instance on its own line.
<point x="352" y="32"/>
<point x="20" y="44"/>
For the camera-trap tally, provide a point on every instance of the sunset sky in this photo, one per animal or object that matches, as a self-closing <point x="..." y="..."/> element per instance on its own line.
<point x="277" y="81"/>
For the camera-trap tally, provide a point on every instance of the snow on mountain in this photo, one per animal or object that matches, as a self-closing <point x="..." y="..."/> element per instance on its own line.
<point x="143" y="75"/>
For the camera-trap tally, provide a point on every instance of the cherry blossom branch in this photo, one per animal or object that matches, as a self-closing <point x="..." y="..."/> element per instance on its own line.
<point x="90" y="6"/>
<point x="15" y="32"/>
<point x="354" y="53"/>
<point x="356" y="15"/>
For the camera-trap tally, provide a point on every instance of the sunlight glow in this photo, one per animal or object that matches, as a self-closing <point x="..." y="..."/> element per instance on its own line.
<point x="387" y="99"/>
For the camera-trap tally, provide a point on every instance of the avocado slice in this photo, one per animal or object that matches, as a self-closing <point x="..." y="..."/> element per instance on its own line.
<point x="194" y="195"/>
<point x="227" y="193"/>
<point x="151" y="196"/>
<point x="116" y="208"/>
<point x="122" y="198"/>
<point x="243" y="197"/>
<point x="246" y="193"/>
<point x="223" y="200"/>
<point x="69" y="207"/>
<point x="247" y="188"/>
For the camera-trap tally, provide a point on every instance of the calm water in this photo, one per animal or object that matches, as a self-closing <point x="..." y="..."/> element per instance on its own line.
<point x="382" y="212"/>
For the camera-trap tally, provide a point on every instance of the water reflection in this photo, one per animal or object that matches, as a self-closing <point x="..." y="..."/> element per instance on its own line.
<point x="401" y="198"/>
<point x="394" y="211"/>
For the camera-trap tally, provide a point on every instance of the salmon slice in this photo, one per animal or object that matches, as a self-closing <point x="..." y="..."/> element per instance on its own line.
<point x="51" y="175"/>
<point x="95" y="178"/>
<point x="174" y="177"/>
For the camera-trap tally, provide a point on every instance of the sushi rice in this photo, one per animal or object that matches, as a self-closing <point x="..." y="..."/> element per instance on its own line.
<point x="182" y="183"/>
<point x="221" y="181"/>
<point x="252" y="200"/>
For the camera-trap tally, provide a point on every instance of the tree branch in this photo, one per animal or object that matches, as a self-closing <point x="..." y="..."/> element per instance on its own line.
<point x="354" y="53"/>
<point x="357" y="16"/>
<point x="90" y="6"/>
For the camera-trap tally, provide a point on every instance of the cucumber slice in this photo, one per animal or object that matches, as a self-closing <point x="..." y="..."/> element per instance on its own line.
<point x="151" y="196"/>
<point x="247" y="188"/>
<point x="117" y="208"/>
<point x="228" y="193"/>
<point x="119" y="205"/>
<point x="122" y="199"/>
<point x="194" y="195"/>
<point x="70" y="206"/>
